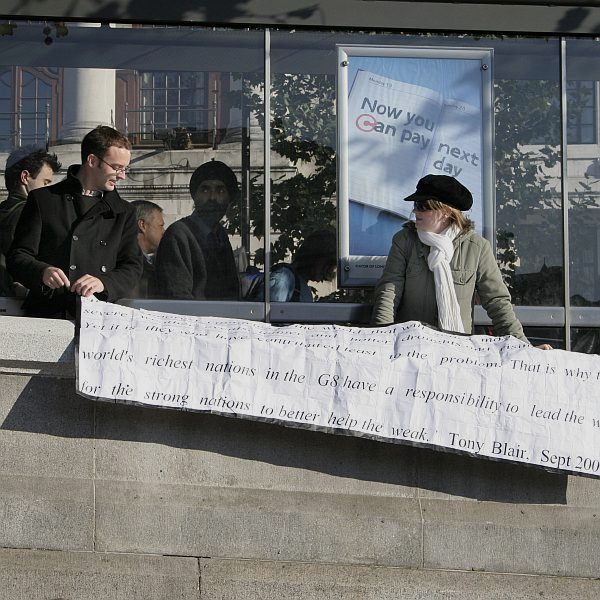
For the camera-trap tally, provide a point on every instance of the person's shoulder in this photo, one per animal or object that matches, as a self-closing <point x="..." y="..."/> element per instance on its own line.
<point x="67" y="185"/>
<point x="11" y="203"/>
<point x="179" y="229"/>
<point x="117" y="204"/>
<point x="472" y="238"/>
<point x="283" y="271"/>
<point x="469" y="233"/>
<point x="407" y="231"/>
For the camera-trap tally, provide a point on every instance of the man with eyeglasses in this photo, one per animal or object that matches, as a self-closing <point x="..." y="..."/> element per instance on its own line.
<point x="79" y="237"/>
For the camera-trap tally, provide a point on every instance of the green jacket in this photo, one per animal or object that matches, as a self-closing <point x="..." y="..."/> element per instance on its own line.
<point x="406" y="290"/>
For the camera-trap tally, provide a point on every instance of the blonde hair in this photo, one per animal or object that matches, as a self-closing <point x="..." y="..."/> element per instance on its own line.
<point x="456" y="216"/>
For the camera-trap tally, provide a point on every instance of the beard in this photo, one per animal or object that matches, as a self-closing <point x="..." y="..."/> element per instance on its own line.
<point x="211" y="214"/>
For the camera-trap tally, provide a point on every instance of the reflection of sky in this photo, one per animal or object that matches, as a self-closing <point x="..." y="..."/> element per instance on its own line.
<point x="371" y="230"/>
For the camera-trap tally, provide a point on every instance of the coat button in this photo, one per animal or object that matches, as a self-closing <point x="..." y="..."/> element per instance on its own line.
<point x="103" y="269"/>
<point x="73" y="267"/>
<point x="75" y="238"/>
<point x="68" y="197"/>
<point x="102" y="243"/>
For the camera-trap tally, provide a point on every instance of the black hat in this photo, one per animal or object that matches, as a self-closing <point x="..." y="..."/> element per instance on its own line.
<point x="444" y="188"/>
<point x="214" y="169"/>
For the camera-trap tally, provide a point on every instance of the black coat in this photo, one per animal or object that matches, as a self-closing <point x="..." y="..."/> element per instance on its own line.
<point x="102" y="242"/>
<point x="196" y="262"/>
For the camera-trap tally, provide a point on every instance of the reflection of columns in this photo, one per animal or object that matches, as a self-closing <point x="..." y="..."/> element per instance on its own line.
<point x="236" y="119"/>
<point x="88" y="101"/>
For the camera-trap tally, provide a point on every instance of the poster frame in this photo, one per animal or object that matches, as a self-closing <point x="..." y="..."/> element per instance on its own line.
<point x="353" y="267"/>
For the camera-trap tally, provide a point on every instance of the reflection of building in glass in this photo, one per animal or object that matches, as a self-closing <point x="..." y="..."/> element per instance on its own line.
<point x="28" y="106"/>
<point x="182" y="108"/>
<point x="582" y="116"/>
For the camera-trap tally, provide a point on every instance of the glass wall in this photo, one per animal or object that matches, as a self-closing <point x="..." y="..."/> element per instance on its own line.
<point x="181" y="97"/>
<point x="527" y="153"/>
<point x="185" y="96"/>
<point x="583" y="185"/>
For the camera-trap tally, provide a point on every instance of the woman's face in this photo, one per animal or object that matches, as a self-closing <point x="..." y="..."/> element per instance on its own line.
<point x="433" y="221"/>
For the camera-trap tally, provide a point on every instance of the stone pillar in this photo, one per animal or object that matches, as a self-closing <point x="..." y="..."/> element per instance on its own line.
<point x="88" y="101"/>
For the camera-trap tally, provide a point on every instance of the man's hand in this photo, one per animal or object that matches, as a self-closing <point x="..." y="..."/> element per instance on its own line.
<point x="87" y="285"/>
<point x="54" y="278"/>
<point x="545" y="347"/>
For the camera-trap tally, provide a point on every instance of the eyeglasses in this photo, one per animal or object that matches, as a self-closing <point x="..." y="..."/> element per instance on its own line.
<point x="421" y="206"/>
<point x="117" y="170"/>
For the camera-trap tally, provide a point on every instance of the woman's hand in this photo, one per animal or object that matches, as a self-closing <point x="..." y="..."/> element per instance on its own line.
<point x="545" y="347"/>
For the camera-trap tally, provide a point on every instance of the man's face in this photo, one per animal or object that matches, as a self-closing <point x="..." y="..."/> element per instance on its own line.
<point x="107" y="171"/>
<point x="211" y="200"/>
<point x="152" y="231"/>
<point x="44" y="178"/>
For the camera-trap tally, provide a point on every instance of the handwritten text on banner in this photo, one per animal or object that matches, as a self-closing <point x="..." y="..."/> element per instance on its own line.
<point x="493" y="397"/>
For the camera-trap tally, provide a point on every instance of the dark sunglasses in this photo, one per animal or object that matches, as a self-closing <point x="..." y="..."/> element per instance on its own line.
<point x="421" y="206"/>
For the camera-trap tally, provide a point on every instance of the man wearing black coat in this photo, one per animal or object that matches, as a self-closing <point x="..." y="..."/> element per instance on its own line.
<point x="78" y="237"/>
<point x="195" y="260"/>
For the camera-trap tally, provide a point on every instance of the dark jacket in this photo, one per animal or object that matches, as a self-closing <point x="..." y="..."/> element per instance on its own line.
<point x="195" y="262"/>
<point x="406" y="290"/>
<point x="10" y="211"/>
<point x="53" y="231"/>
<point x="146" y="286"/>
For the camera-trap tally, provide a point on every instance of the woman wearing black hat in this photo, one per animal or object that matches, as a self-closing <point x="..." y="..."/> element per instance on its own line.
<point x="437" y="263"/>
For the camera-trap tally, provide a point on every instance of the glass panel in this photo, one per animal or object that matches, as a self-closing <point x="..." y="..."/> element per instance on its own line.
<point x="527" y="152"/>
<point x="528" y="171"/>
<point x="175" y="154"/>
<point x="585" y="340"/>
<point x="554" y="336"/>
<point x="6" y="132"/>
<point x="581" y="116"/>
<point x="583" y="75"/>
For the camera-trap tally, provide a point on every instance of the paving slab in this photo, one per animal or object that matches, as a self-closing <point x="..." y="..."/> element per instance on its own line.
<point x="162" y="446"/>
<point x="45" y="428"/>
<point x="44" y="575"/>
<point x="46" y="513"/>
<point x="259" y="524"/>
<point x="583" y="491"/>
<point x="252" y="580"/>
<point x="32" y="346"/>
<point x="505" y="538"/>
<point x="447" y="475"/>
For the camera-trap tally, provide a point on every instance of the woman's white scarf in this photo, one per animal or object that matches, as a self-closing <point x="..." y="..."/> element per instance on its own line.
<point x="440" y="255"/>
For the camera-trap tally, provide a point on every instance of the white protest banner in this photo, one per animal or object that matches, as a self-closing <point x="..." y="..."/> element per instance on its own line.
<point x="398" y="132"/>
<point x="487" y="396"/>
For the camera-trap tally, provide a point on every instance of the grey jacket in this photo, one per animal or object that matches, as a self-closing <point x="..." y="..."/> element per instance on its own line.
<point x="406" y="290"/>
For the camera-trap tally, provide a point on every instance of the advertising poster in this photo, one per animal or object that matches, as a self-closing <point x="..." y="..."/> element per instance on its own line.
<point x="405" y="113"/>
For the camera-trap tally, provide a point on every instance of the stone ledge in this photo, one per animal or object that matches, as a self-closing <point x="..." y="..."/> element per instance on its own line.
<point x="43" y="347"/>
<point x="511" y="538"/>
<point x="251" y="580"/>
<point x="46" y="513"/>
<point x="41" y="575"/>
<point x="256" y="524"/>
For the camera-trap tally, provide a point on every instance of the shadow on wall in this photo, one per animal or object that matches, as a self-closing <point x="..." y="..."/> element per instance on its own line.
<point x="210" y="11"/>
<point x="573" y="19"/>
<point x="50" y="406"/>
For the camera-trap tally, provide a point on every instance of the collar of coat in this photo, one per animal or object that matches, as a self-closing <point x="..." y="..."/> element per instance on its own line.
<point x="72" y="185"/>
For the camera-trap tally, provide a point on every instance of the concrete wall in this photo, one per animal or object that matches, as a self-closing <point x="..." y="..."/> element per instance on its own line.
<point x="109" y="501"/>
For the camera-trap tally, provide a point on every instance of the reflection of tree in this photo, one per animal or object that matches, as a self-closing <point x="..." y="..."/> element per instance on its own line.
<point x="528" y="194"/>
<point x="527" y="167"/>
<point x="527" y="148"/>
<point x="303" y="131"/>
